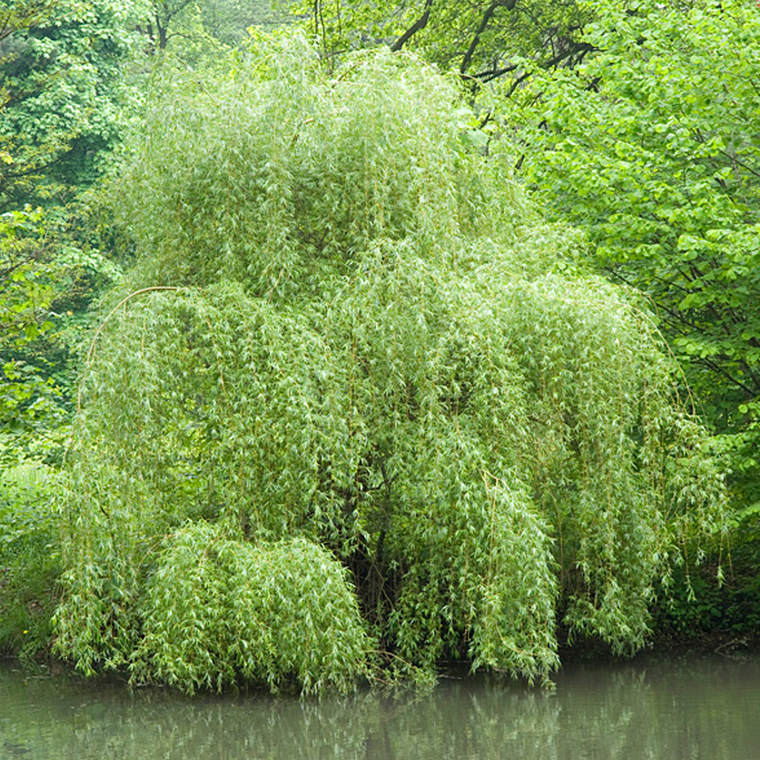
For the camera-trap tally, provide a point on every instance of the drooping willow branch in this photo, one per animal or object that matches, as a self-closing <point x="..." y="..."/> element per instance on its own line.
<point x="405" y="423"/>
<point x="91" y="350"/>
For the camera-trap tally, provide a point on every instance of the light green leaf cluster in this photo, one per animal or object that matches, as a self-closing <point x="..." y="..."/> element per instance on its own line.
<point x="217" y="610"/>
<point x="353" y="350"/>
<point x="25" y="283"/>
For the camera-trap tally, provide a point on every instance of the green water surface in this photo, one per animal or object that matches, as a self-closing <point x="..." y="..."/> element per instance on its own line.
<point x="686" y="708"/>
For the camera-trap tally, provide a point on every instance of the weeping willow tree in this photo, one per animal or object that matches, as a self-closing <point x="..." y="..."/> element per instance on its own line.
<point x="356" y="405"/>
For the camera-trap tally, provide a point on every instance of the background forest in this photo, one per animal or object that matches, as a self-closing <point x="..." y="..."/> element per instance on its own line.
<point x="343" y="338"/>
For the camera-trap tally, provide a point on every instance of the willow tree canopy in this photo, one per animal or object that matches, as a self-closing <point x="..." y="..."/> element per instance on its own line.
<point x="357" y="405"/>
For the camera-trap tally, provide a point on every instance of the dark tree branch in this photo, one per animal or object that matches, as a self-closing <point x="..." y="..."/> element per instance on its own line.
<point x="417" y="26"/>
<point x="494" y="73"/>
<point x="578" y="48"/>
<point x="575" y="48"/>
<point x="735" y="160"/>
<point x="517" y="82"/>
<point x="163" y="13"/>
<point x="715" y="367"/>
<point x="484" y="21"/>
<point x="6" y="273"/>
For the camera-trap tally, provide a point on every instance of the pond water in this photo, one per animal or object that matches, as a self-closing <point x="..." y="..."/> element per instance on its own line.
<point x="690" y="708"/>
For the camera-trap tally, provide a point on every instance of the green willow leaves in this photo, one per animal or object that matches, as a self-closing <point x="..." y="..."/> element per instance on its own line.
<point x="354" y="371"/>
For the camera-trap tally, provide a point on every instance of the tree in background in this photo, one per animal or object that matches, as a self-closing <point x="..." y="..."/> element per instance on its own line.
<point x="61" y="117"/>
<point x="357" y="395"/>
<point x="28" y="394"/>
<point x="651" y="146"/>
<point x="59" y="75"/>
<point x="229" y="20"/>
<point x="206" y="23"/>
<point x="483" y="40"/>
<point x="61" y="63"/>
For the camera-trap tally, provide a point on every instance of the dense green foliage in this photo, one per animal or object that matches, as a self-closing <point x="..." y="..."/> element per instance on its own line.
<point x="30" y="561"/>
<point x="350" y="350"/>
<point x="60" y="94"/>
<point x="651" y="146"/>
<point x="26" y="292"/>
<point x="59" y="80"/>
<point x="218" y="610"/>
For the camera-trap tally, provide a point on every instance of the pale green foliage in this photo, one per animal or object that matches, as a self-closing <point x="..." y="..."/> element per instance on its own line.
<point x="328" y="180"/>
<point x="216" y="608"/>
<point x="351" y="340"/>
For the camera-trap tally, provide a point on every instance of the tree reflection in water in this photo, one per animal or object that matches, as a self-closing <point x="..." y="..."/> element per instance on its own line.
<point x="646" y="709"/>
